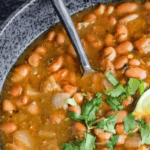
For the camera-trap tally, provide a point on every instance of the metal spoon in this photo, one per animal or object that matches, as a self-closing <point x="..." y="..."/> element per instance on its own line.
<point x="72" y="33"/>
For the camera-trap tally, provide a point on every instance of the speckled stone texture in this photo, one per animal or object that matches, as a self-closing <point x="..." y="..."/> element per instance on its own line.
<point x="26" y="24"/>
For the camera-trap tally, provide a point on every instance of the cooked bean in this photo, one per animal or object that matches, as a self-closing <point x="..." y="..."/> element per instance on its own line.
<point x="120" y="129"/>
<point x="109" y="10"/>
<point x="33" y="108"/>
<point x="121" y="32"/>
<point x="57" y="117"/>
<point x="85" y="45"/>
<point x="128" y="18"/>
<point x="76" y="109"/>
<point x="34" y="60"/>
<point x="126" y="8"/>
<point x="100" y="9"/>
<point x="143" y="45"/>
<point x="80" y="127"/>
<point x="51" y="35"/>
<point x="56" y="64"/>
<point x="23" y="101"/>
<point x="78" y="97"/>
<point x="89" y="18"/>
<point x="41" y="50"/>
<point x="136" y="72"/>
<point x="8" y="106"/>
<point x="23" y="70"/>
<point x="73" y="78"/>
<point x="122" y="115"/>
<point x="147" y="5"/>
<point x="105" y="136"/>
<point x="61" y="74"/>
<point x="121" y="62"/>
<point x="8" y="127"/>
<point x="15" y="91"/>
<point x="127" y="101"/>
<point x="91" y="38"/>
<point x="98" y="45"/>
<point x="124" y="47"/>
<point x="110" y="53"/>
<point x="104" y="148"/>
<point x="121" y="140"/>
<point x="110" y="40"/>
<point x="71" y="51"/>
<point x="99" y="30"/>
<point x="134" y="62"/>
<point x="69" y="89"/>
<point x="60" y="39"/>
<point x="112" y="21"/>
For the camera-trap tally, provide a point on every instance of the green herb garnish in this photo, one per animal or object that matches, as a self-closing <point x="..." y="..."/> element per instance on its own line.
<point x="71" y="101"/>
<point x="113" y="142"/>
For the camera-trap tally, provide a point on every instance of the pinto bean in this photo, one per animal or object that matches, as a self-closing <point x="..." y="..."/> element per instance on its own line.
<point x="23" y="101"/>
<point x="112" y="21"/>
<point x="136" y="72"/>
<point x="78" y="97"/>
<point x="100" y="10"/>
<point x="33" y="108"/>
<point x="60" y="39"/>
<point x="80" y="127"/>
<point x="8" y="127"/>
<point x="57" y="64"/>
<point x="120" y="129"/>
<point x="124" y="47"/>
<point x="34" y="60"/>
<point x="57" y="117"/>
<point x="147" y="5"/>
<point x="23" y="70"/>
<point x="8" y="106"/>
<point x="126" y="8"/>
<point x="105" y="136"/>
<point x="120" y="62"/>
<point x="89" y="18"/>
<point x="110" y="40"/>
<point x="128" y="18"/>
<point x="16" y="90"/>
<point x="134" y="62"/>
<point x="51" y="35"/>
<point x="41" y="50"/>
<point x="69" y="89"/>
<point x="76" y="109"/>
<point x="109" y="10"/>
<point x="143" y="45"/>
<point x="91" y="38"/>
<point x="121" y="141"/>
<point x="61" y="74"/>
<point x="98" y="45"/>
<point x="71" y="51"/>
<point x="110" y="53"/>
<point x="121" y="32"/>
<point x="73" y="78"/>
<point x="127" y="101"/>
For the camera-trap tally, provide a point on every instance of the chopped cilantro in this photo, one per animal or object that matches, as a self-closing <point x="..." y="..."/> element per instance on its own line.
<point x="113" y="142"/>
<point x="66" y="119"/>
<point x="84" y="94"/>
<point x="115" y="104"/>
<point x="129" y="123"/>
<point x="111" y="78"/>
<point x="87" y="144"/>
<point x="89" y="110"/>
<point x="142" y="88"/>
<point x="144" y="130"/>
<point x="71" y="101"/>
<point x="108" y="124"/>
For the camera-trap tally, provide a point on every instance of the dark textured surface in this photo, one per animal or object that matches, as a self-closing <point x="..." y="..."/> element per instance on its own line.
<point x="7" y="7"/>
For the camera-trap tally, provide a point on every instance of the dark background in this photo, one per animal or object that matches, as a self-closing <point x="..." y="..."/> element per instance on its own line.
<point x="7" y="7"/>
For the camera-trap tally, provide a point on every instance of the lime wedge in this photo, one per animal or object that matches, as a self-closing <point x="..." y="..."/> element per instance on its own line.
<point x="142" y="108"/>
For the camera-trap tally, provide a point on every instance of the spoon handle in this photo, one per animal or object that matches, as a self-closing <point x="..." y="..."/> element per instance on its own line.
<point x="72" y="33"/>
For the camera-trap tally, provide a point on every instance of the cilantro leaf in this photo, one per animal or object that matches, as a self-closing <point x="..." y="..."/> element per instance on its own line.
<point x="84" y="94"/>
<point x="108" y="124"/>
<point x="117" y="91"/>
<point x="142" y="88"/>
<point x="115" y="104"/>
<point x="71" y="101"/>
<point x="113" y="142"/>
<point x="87" y="144"/>
<point x="129" y="123"/>
<point x="111" y="79"/>
<point x="89" y="110"/>
<point x="145" y="131"/>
